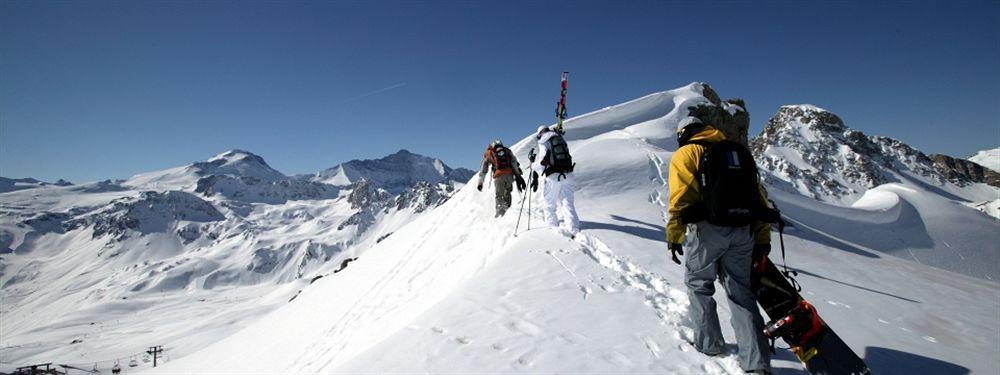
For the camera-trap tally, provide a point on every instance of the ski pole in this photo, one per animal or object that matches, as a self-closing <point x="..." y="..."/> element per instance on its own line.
<point x="524" y="195"/>
<point x="530" y="198"/>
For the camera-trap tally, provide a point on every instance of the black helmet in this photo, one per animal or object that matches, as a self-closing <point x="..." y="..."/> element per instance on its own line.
<point x="687" y="128"/>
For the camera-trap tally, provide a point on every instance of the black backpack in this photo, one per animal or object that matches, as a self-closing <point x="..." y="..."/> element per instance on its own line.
<point x="728" y="178"/>
<point x="501" y="158"/>
<point x="560" y="160"/>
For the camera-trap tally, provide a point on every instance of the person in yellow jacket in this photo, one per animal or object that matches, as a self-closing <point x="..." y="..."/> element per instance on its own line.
<point x="714" y="252"/>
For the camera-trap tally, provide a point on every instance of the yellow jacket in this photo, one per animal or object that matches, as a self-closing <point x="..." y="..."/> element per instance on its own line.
<point x="684" y="188"/>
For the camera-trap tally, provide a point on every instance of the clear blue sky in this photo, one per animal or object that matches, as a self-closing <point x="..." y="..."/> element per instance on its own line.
<point x="93" y="90"/>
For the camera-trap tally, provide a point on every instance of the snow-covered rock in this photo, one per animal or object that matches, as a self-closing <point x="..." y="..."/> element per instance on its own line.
<point x="394" y="173"/>
<point x="987" y="158"/>
<point x="237" y="163"/>
<point x="809" y="150"/>
<point x="964" y="171"/>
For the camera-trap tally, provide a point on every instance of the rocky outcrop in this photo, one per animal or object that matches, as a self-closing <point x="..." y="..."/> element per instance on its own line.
<point x="257" y="190"/>
<point x="148" y="213"/>
<point x="729" y="116"/>
<point x="962" y="171"/>
<point x="811" y="151"/>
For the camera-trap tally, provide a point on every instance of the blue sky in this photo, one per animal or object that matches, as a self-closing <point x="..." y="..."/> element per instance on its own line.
<point x="95" y="90"/>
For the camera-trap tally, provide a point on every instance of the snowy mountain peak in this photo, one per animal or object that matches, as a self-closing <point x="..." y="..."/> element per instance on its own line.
<point x="988" y="158"/>
<point x="234" y="163"/>
<point x="394" y="173"/>
<point x="239" y="163"/>
<point x="810" y="150"/>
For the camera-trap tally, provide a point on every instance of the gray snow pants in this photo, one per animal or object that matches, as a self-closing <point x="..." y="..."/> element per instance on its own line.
<point x="503" y="186"/>
<point x="725" y="253"/>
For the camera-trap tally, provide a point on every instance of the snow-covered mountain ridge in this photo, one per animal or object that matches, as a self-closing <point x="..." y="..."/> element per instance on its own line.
<point x="455" y="291"/>
<point x="228" y="228"/>
<point x="809" y="150"/>
<point x="12" y="184"/>
<point x="988" y="158"/>
<point x="394" y="173"/>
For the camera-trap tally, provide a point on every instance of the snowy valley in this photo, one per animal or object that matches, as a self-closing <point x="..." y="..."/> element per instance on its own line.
<point x="233" y="266"/>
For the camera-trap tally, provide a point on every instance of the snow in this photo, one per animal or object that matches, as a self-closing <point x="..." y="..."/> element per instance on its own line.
<point x="988" y="158"/>
<point x="453" y="290"/>
<point x="805" y="107"/>
<point x="393" y="173"/>
<point x="233" y="162"/>
<point x="112" y="266"/>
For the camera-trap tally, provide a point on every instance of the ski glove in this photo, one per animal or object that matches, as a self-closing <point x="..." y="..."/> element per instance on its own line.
<point x="676" y="249"/>
<point x="534" y="181"/>
<point x="520" y="183"/>
<point x="479" y="187"/>
<point x="761" y="249"/>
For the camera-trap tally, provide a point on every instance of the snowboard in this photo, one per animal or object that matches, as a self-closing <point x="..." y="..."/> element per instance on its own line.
<point x="796" y="321"/>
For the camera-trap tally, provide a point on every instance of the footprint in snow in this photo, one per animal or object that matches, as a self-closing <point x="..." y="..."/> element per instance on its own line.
<point x="499" y="347"/>
<point x="528" y="358"/>
<point x="462" y="340"/>
<point x="437" y="330"/>
<point x="930" y="339"/>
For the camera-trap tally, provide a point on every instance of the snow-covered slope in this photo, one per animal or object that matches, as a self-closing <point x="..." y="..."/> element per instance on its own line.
<point x="891" y="197"/>
<point x="233" y="163"/>
<point x="394" y="173"/>
<point x="455" y="291"/>
<point x="988" y="158"/>
<point x="184" y="256"/>
<point x="12" y="184"/>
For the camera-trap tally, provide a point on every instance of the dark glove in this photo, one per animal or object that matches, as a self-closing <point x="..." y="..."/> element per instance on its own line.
<point x="479" y="187"/>
<point x="534" y="181"/>
<point x="520" y="183"/>
<point x="760" y="252"/>
<point x="761" y="249"/>
<point x="531" y="155"/>
<point x="675" y="250"/>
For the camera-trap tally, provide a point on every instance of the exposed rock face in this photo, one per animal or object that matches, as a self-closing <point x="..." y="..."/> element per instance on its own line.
<point x="811" y="151"/>
<point x="964" y="171"/>
<point x="370" y="200"/>
<point x="729" y="116"/>
<point x="148" y="213"/>
<point x="424" y="195"/>
<point x="257" y="190"/>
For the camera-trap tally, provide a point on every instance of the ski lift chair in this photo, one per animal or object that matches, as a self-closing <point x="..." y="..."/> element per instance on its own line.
<point x="132" y="362"/>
